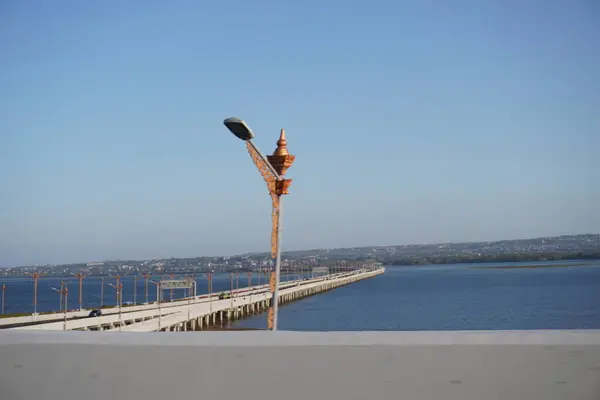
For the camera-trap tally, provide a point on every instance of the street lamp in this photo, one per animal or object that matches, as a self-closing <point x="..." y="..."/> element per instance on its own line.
<point x="272" y="168"/>
<point x="36" y="277"/>
<point x="146" y="277"/>
<point x="158" y="300"/>
<point x="102" y="292"/>
<point x="210" y="296"/>
<point x="3" y="295"/>
<point x="119" y="289"/>
<point x="80" y="276"/>
<point x="134" y="289"/>
<point x="63" y="292"/>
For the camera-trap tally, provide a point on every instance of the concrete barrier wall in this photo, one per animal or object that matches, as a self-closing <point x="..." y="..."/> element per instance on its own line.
<point x="520" y="365"/>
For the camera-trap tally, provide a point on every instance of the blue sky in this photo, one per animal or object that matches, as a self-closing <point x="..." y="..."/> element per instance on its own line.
<point x="412" y="122"/>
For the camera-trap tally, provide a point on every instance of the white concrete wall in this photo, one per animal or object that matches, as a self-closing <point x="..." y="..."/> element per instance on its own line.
<point x="514" y="365"/>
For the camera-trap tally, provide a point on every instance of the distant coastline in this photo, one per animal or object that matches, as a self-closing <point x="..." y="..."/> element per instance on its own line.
<point x="528" y="266"/>
<point x="501" y="258"/>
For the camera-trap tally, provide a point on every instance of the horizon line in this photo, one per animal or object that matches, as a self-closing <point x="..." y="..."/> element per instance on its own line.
<point x="313" y="249"/>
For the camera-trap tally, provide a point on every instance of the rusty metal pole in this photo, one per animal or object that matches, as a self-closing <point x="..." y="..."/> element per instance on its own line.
<point x="80" y="292"/>
<point x="272" y="168"/>
<point x="66" y="294"/>
<point x="36" y="276"/>
<point x="62" y="293"/>
<point x="210" y="297"/>
<point x="3" y="295"/>
<point x="159" y="296"/>
<point x="35" y="290"/>
<point x="231" y="288"/>
<point x="118" y="278"/>
<point x="146" y="278"/>
<point x="120" y="292"/>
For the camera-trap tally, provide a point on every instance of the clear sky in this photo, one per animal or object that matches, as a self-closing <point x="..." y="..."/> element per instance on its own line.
<point x="412" y="122"/>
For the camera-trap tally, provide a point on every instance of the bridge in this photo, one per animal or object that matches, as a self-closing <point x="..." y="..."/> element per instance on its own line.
<point x="192" y="313"/>
<point x="40" y="361"/>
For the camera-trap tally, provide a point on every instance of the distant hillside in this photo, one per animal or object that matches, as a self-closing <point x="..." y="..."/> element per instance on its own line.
<point x="566" y="247"/>
<point x="583" y="243"/>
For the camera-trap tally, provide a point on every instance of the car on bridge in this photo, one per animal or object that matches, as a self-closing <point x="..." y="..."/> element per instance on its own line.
<point x="95" y="313"/>
<point x="224" y="296"/>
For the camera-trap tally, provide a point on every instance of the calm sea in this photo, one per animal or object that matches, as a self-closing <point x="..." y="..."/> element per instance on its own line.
<point x="452" y="297"/>
<point x="441" y="297"/>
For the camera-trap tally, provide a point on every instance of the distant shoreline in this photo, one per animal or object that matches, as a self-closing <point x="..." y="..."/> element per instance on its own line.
<point x="500" y="259"/>
<point x="525" y="266"/>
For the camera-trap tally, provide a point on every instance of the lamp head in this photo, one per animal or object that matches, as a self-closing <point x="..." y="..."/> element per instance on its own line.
<point x="239" y="128"/>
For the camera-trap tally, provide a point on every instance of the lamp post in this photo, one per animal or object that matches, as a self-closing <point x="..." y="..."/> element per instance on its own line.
<point x="63" y="292"/>
<point x="210" y="296"/>
<point x="134" y="289"/>
<point x="101" y="292"/>
<point x="158" y="300"/>
<point x="118" y="279"/>
<point x="171" y="291"/>
<point x="231" y="288"/>
<point x="36" y="276"/>
<point x="3" y="295"/>
<point x="119" y="289"/>
<point x="272" y="168"/>
<point x="80" y="276"/>
<point x="146" y="278"/>
<point x="62" y="288"/>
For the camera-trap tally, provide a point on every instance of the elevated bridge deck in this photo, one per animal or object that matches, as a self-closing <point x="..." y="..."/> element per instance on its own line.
<point x="200" y="312"/>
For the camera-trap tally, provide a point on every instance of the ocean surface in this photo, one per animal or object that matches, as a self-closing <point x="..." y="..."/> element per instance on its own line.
<point x="452" y="297"/>
<point x="440" y="297"/>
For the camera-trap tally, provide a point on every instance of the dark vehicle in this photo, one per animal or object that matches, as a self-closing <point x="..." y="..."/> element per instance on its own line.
<point x="224" y="296"/>
<point x="95" y="313"/>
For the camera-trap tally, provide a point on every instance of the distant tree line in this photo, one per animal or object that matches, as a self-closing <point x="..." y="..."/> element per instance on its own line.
<point x="507" y="257"/>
